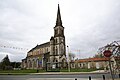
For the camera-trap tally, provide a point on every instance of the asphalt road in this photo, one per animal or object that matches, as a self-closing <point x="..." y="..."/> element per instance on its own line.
<point x="56" y="77"/>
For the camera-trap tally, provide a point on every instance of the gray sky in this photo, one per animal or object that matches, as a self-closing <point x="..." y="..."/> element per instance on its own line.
<point x="89" y="25"/>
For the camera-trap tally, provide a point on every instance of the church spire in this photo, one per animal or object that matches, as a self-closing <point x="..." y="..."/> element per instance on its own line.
<point x="58" y="20"/>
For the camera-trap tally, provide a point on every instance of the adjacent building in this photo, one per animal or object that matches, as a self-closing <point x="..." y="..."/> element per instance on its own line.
<point x="51" y="54"/>
<point x="92" y="63"/>
<point x="96" y="63"/>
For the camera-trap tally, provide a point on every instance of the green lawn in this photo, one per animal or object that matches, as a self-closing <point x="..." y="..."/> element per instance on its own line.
<point x="77" y="70"/>
<point x="21" y="71"/>
<point x="35" y="71"/>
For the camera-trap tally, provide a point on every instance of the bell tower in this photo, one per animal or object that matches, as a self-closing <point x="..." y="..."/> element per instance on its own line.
<point x="59" y="37"/>
<point x="57" y="43"/>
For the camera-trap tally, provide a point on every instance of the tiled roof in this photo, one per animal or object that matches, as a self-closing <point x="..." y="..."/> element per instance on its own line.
<point x="92" y="59"/>
<point x="40" y="46"/>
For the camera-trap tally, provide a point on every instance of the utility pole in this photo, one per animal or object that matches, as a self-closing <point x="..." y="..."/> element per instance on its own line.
<point x="68" y="59"/>
<point x="108" y="54"/>
<point x="111" y="69"/>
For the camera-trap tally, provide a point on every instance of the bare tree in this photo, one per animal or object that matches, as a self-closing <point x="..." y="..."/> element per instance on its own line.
<point x="71" y="56"/>
<point x="114" y="47"/>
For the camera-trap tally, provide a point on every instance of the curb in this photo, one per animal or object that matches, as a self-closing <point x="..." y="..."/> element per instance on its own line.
<point x="69" y="73"/>
<point x="55" y="73"/>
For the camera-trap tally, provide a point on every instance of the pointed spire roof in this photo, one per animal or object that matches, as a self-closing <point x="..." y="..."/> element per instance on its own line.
<point x="58" y="20"/>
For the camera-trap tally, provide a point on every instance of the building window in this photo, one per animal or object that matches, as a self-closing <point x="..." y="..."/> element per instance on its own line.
<point x="62" y="49"/>
<point x="80" y="65"/>
<point x="73" y="65"/>
<point x="56" y="31"/>
<point x="41" y="50"/>
<point x="56" y="50"/>
<point x="56" y="41"/>
<point x="83" y="65"/>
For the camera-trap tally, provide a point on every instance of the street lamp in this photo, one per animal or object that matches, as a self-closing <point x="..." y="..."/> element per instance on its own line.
<point x="68" y="59"/>
<point x="108" y="53"/>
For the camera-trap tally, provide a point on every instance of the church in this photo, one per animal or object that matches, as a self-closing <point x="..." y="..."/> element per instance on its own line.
<point x="49" y="55"/>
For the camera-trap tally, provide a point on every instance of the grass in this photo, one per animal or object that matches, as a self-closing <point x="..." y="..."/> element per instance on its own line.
<point x="41" y="70"/>
<point x="21" y="71"/>
<point x="77" y="70"/>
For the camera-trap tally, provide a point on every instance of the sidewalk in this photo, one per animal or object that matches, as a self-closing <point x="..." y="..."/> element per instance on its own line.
<point x="60" y="79"/>
<point x="67" y="79"/>
<point x="65" y="73"/>
<point x="54" y="73"/>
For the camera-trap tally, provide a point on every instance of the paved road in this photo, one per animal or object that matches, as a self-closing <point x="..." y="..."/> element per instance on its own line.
<point x="55" y="77"/>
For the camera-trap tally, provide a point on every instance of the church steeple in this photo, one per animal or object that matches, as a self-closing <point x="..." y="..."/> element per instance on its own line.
<point x="58" y="20"/>
<point x="58" y="29"/>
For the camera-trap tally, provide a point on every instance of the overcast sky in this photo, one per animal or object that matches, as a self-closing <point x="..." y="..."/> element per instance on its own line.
<point x="89" y="25"/>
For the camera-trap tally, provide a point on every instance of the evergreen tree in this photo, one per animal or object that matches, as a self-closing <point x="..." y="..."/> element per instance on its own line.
<point x="5" y="63"/>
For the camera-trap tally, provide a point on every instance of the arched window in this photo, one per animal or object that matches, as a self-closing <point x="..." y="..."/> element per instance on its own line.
<point x="33" y="63"/>
<point x="56" y="50"/>
<point x="29" y="64"/>
<point x="62" y="49"/>
<point x="80" y="65"/>
<point x="37" y="63"/>
<point x="56" y="41"/>
<point x="47" y="49"/>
